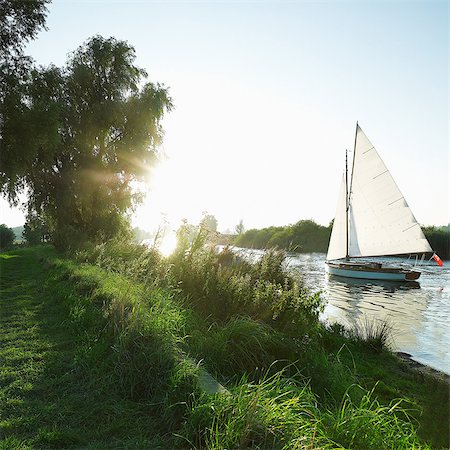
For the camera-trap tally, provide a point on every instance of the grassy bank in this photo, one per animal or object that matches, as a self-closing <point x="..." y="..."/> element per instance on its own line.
<point x="108" y="351"/>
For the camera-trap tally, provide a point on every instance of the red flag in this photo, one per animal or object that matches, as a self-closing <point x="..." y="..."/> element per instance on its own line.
<point x="437" y="259"/>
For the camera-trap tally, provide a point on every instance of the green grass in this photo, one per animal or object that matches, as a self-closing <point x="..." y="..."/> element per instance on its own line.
<point x="108" y="354"/>
<point x="48" y="397"/>
<point x="278" y="413"/>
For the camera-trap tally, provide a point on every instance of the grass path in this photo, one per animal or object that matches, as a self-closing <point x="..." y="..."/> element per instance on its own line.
<point x="45" y="399"/>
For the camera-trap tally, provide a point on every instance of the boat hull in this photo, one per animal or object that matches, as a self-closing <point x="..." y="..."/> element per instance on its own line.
<point x="371" y="272"/>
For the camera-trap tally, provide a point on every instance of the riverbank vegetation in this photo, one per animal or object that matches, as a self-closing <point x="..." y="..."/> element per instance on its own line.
<point x="7" y="237"/>
<point x="108" y="349"/>
<point x="305" y="236"/>
<point x="439" y="239"/>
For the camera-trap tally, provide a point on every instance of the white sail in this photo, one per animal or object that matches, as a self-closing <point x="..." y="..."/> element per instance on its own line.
<point x="338" y="248"/>
<point x="380" y="220"/>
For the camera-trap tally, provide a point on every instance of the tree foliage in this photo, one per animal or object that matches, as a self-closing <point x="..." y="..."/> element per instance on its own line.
<point x="20" y="21"/>
<point x="239" y="228"/>
<point x="7" y="237"/>
<point x="304" y="236"/>
<point x="439" y="239"/>
<point x="79" y="137"/>
<point x="209" y="222"/>
<point x="35" y="230"/>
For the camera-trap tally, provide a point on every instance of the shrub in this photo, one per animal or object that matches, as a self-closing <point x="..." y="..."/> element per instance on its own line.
<point x="7" y="237"/>
<point x="263" y="291"/>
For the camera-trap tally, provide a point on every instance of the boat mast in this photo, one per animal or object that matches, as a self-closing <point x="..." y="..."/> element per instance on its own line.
<point x="353" y="163"/>
<point x="346" y="207"/>
<point x="349" y="191"/>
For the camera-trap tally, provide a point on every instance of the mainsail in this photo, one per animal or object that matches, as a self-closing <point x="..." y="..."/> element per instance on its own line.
<point x="379" y="219"/>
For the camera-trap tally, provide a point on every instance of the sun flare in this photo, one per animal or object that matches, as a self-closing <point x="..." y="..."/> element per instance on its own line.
<point x="168" y="244"/>
<point x="174" y="193"/>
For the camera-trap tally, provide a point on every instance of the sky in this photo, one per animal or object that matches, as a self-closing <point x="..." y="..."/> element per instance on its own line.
<point x="267" y="95"/>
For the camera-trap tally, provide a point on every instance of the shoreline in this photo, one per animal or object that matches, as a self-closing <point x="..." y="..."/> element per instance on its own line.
<point x="421" y="368"/>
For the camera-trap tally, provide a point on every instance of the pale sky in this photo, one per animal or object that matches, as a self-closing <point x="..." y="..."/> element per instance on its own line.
<point x="267" y="95"/>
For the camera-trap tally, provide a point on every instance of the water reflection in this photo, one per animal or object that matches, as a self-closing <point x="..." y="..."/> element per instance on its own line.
<point x="385" y="285"/>
<point x="353" y="302"/>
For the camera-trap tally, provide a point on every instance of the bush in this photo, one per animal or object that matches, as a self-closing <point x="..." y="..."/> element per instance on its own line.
<point x="7" y="237"/>
<point x="263" y="291"/>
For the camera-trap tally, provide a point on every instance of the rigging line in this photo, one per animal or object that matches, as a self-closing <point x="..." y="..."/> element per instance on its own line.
<point x="379" y="175"/>
<point x="395" y="201"/>
<point x="413" y="225"/>
<point x="347" y="207"/>
<point x="371" y="148"/>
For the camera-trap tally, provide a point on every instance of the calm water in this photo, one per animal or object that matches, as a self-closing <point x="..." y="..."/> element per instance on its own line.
<point x="419" y="313"/>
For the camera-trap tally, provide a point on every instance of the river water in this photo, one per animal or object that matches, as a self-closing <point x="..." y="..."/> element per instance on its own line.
<point x="417" y="312"/>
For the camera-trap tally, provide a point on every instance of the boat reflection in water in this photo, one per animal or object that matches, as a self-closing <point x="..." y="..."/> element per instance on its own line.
<point x="351" y="301"/>
<point x="417" y="327"/>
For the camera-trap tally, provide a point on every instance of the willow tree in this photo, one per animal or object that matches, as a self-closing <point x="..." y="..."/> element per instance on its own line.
<point x="80" y="137"/>
<point x="20" y="21"/>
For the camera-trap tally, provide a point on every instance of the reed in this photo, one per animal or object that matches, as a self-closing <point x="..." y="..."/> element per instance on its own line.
<point x="371" y="425"/>
<point x="279" y="413"/>
<point x="376" y="334"/>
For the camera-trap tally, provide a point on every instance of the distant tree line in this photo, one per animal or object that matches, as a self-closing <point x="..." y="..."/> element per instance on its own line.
<point x="304" y="236"/>
<point x="439" y="239"/>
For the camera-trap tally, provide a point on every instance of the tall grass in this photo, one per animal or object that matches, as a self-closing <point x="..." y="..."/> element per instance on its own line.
<point x="279" y="413"/>
<point x="376" y="334"/>
<point x="223" y="289"/>
<point x="241" y="346"/>
<point x="268" y="414"/>
<point x="370" y="425"/>
<point x="136" y="332"/>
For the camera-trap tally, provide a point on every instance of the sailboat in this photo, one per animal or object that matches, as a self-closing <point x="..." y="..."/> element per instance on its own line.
<point x="372" y="220"/>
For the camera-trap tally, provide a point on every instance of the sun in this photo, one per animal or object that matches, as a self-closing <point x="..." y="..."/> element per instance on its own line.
<point x="176" y="191"/>
<point x="168" y="244"/>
